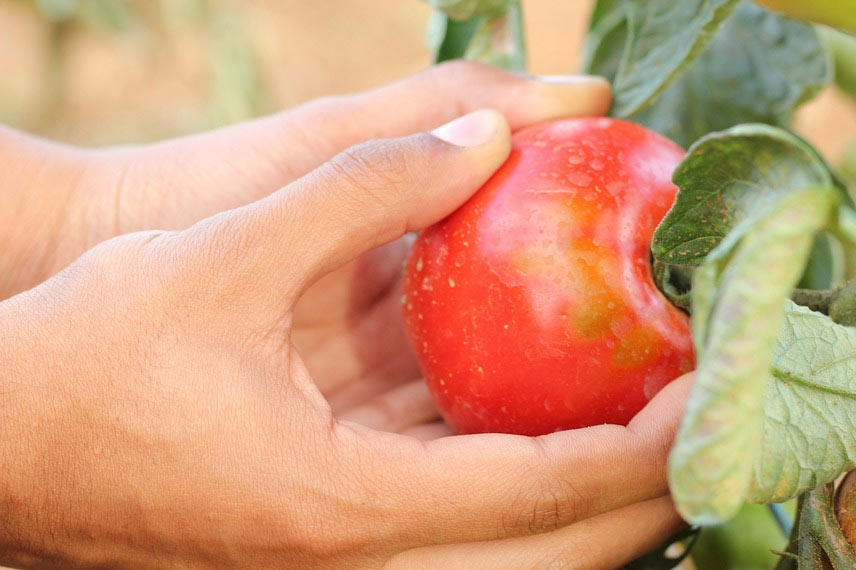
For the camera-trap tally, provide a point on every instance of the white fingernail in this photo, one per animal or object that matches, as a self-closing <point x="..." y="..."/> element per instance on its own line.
<point x="569" y="79"/>
<point x="474" y="129"/>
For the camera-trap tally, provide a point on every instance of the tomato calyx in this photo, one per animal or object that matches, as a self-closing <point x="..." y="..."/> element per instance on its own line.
<point x="674" y="282"/>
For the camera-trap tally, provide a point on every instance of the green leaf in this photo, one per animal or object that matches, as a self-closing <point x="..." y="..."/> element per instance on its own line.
<point x="496" y="38"/>
<point x="499" y="41"/>
<point x="454" y="36"/>
<point x="821" y="270"/>
<point x="738" y="295"/>
<point x="664" y="37"/>
<point x="605" y="41"/>
<point x="467" y="9"/>
<point x="743" y="543"/>
<point x="728" y="178"/>
<point x="848" y="164"/>
<point x="809" y="430"/>
<point x="759" y="68"/>
<point x="842" y="47"/>
<point x="604" y="8"/>
<point x="844" y="229"/>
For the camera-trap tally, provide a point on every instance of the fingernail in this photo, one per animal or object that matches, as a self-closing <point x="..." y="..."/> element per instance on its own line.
<point x="474" y="129"/>
<point x="569" y="79"/>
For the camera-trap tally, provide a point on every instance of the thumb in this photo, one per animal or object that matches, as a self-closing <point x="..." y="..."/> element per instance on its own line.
<point x="366" y="196"/>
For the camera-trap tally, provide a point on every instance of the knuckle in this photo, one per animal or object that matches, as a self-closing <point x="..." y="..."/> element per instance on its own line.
<point x="556" y="504"/>
<point x="374" y="172"/>
<point x="117" y="260"/>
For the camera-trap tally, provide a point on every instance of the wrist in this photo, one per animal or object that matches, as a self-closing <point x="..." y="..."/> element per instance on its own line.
<point x="20" y="502"/>
<point x="41" y="207"/>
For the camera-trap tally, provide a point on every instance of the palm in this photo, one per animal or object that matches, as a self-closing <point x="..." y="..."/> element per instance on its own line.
<point x="349" y="331"/>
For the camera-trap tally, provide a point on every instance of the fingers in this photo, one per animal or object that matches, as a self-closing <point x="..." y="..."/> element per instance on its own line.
<point x="367" y="196"/>
<point x="429" y="431"/>
<point x="377" y="192"/>
<point x="396" y="410"/>
<point x="240" y="164"/>
<point x="603" y="542"/>
<point x="484" y="487"/>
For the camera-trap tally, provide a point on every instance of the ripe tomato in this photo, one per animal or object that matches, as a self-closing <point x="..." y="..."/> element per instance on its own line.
<point x="532" y="307"/>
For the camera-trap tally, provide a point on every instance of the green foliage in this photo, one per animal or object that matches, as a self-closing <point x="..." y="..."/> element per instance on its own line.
<point x="498" y="40"/>
<point x="817" y="542"/>
<point x="743" y="543"/>
<point x="842" y="47"/>
<point x="727" y="178"/>
<point x="467" y="9"/>
<point x="493" y="36"/>
<point x="848" y="164"/>
<point x="604" y="48"/>
<point x="737" y="313"/>
<point x="823" y="269"/>
<point x="809" y="431"/>
<point x="663" y="37"/>
<point x="451" y="38"/>
<point x="758" y="68"/>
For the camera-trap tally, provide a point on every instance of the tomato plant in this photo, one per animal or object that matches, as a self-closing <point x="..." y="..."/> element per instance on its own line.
<point x="759" y="246"/>
<point x="533" y="308"/>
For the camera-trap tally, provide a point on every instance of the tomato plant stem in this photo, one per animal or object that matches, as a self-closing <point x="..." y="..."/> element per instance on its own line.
<point x="815" y="299"/>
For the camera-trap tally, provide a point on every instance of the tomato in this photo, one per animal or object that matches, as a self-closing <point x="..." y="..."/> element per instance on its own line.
<point x="532" y="307"/>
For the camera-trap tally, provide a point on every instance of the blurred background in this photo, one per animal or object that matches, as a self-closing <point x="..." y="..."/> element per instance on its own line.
<point x="97" y="72"/>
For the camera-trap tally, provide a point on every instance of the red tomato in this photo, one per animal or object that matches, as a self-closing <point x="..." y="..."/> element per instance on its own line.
<point x="532" y="307"/>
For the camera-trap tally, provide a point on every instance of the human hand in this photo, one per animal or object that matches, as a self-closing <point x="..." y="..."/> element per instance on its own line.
<point x="347" y="327"/>
<point x="157" y="414"/>
<point x="60" y="201"/>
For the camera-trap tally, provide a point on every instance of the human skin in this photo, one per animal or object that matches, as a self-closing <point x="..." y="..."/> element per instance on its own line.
<point x="235" y="390"/>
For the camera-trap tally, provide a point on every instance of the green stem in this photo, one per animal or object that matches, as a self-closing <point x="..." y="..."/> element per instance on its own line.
<point x="842" y="309"/>
<point x="823" y="533"/>
<point x="815" y="299"/>
<point x="663" y="280"/>
<point x="456" y="38"/>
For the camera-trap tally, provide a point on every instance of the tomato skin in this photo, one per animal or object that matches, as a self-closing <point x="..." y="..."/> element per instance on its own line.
<point x="532" y="307"/>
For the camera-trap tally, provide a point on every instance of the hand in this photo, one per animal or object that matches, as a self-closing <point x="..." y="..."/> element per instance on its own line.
<point x="157" y="414"/>
<point x="347" y="327"/>
<point x="60" y="201"/>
